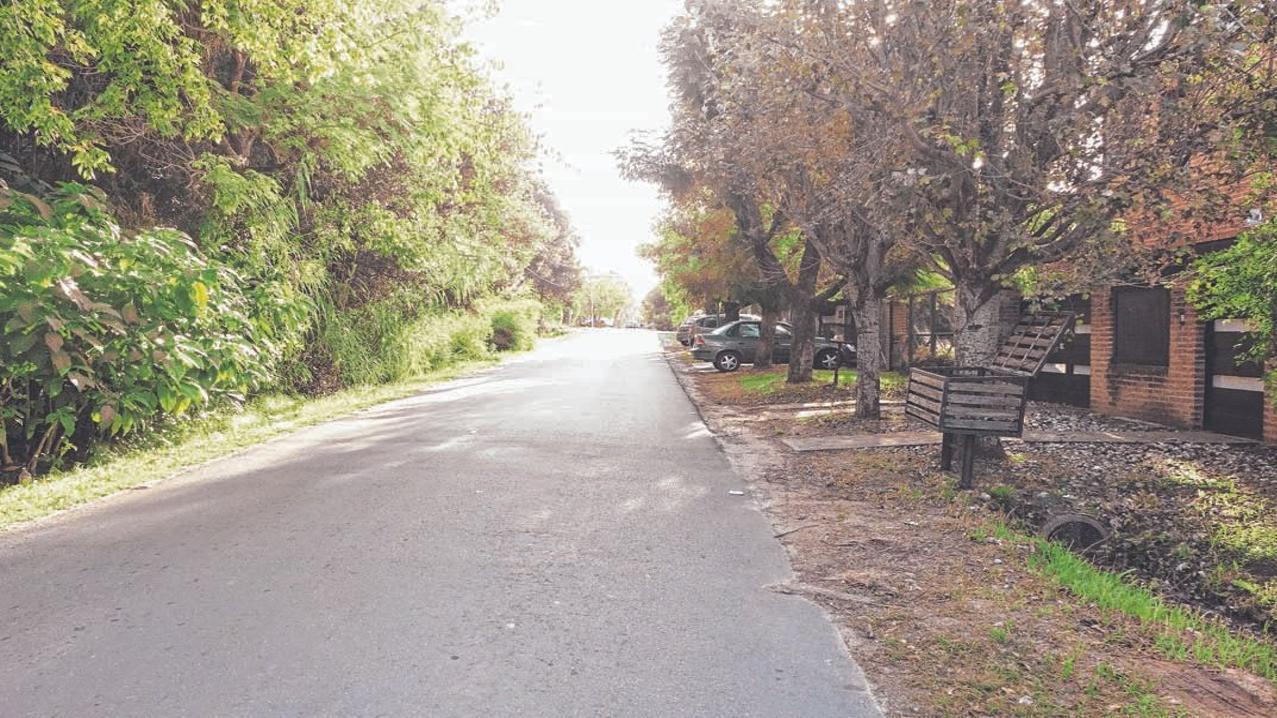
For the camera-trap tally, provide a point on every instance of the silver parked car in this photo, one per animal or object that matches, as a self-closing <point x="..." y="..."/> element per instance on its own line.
<point x="734" y="344"/>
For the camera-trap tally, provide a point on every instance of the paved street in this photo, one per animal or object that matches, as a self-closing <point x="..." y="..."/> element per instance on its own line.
<point x="554" y="537"/>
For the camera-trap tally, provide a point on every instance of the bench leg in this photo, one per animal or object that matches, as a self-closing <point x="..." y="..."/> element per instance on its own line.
<point x="946" y="451"/>
<point x="968" y="462"/>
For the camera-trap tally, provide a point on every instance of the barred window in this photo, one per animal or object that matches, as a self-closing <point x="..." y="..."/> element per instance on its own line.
<point x="1142" y="326"/>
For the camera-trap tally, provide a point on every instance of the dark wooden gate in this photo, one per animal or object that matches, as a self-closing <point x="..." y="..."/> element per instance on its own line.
<point x="1234" y="388"/>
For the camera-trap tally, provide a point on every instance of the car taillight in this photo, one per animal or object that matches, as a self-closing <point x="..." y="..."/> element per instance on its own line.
<point x="700" y="341"/>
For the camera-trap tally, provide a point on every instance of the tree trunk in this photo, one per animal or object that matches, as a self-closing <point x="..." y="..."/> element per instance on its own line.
<point x="802" y="353"/>
<point x="731" y="310"/>
<point x="977" y="324"/>
<point x="802" y="301"/>
<point x="867" y="313"/>
<point x="767" y="337"/>
<point x="976" y="342"/>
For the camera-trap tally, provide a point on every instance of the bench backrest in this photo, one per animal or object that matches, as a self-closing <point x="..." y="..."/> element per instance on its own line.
<point x="1032" y="341"/>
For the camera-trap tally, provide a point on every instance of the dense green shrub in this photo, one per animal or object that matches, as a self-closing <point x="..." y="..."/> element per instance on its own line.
<point x="515" y="324"/>
<point x="103" y="331"/>
<point x="382" y="342"/>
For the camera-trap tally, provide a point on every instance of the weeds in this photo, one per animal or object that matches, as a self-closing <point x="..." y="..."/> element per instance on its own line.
<point x="1179" y="633"/>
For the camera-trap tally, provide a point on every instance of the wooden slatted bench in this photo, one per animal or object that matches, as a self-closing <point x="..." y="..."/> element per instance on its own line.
<point x="972" y="401"/>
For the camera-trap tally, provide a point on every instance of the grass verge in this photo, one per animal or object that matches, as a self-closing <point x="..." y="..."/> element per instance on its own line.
<point x="769" y="382"/>
<point x="210" y="437"/>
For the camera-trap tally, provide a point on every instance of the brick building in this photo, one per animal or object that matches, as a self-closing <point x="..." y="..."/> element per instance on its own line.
<point x="1138" y="352"/>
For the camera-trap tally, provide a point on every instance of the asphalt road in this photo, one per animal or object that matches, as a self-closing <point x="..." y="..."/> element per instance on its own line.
<point x="554" y="537"/>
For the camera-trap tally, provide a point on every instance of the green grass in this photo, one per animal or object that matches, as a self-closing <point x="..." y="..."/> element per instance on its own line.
<point x="768" y="382"/>
<point x="213" y="436"/>
<point x="1001" y="634"/>
<point x="1179" y="633"/>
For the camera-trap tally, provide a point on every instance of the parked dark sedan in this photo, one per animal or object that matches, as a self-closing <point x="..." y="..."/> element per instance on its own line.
<point x="734" y="344"/>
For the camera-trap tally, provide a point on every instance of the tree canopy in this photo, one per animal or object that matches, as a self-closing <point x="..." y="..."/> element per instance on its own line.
<point x="989" y="142"/>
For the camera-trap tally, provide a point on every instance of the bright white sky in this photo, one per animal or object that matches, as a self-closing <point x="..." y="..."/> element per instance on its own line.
<point x="587" y="74"/>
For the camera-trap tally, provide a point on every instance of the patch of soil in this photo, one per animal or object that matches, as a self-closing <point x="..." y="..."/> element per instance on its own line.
<point x="944" y="620"/>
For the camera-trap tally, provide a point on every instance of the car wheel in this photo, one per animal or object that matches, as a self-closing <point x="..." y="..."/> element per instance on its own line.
<point x="827" y="359"/>
<point x="685" y="342"/>
<point x="727" y="361"/>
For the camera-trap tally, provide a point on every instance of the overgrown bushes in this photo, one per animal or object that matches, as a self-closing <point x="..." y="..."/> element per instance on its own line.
<point x="514" y="324"/>
<point x="357" y="195"/>
<point x="103" y="332"/>
<point x="382" y="342"/>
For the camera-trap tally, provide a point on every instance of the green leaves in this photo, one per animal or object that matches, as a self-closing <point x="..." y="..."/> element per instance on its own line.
<point x="340" y="159"/>
<point x="113" y="333"/>
<point x="1241" y="283"/>
<point x="143" y="66"/>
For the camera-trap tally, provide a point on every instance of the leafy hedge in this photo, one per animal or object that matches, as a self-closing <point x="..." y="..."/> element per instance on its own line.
<point x="383" y="342"/>
<point x="103" y="331"/>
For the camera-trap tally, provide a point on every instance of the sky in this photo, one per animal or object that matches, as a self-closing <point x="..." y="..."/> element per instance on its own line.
<point x="587" y="74"/>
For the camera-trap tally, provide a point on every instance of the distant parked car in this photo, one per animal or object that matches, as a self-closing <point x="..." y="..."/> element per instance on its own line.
<point x="701" y="324"/>
<point x="737" y="343"/>
<point x="684" y="331"/>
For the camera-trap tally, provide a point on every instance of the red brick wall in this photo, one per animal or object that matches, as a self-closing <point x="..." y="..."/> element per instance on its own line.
<point x="1174" y="394"/>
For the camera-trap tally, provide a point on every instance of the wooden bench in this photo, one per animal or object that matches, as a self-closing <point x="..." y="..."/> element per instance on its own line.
<point x="976" y="401"/>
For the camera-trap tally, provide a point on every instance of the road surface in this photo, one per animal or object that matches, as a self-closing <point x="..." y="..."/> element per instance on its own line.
<point x="554" y="537"/>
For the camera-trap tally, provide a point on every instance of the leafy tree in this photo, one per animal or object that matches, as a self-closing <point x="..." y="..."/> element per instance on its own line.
<point x="831" y="156"/>
<point x="553" y="273"/>
<point x="345" y="159"/>
<point x="1241" y="283"/>
<point x="659" y="312"/>
<point x="696" y="251"/>
<point x="709" y="153"/>
<point x="349" y="151"/>
<point x="1033" y="129"/>
<point x="602" y="297"/>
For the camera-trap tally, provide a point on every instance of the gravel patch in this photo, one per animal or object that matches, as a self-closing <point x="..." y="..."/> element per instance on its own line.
<point x="1041" y="416"/>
